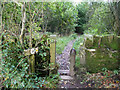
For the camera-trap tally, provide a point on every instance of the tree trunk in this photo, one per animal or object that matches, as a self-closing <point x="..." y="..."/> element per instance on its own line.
<point x="32" y="56"/>
<point x="23" y="23"/>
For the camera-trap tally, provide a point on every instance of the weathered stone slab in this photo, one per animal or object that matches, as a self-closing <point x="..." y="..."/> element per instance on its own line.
<point x="72" y="62"/>
<point x="65" y="77"/>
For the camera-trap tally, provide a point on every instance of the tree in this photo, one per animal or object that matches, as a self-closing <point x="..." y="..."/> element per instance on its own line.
<point x="81" y="17"/>
<point x="115" y="9"/>
<point x="100" y="19"/>
<point x="60" y="17"/>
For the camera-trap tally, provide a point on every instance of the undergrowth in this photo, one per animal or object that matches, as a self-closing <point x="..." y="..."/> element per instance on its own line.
<point x="15" y="68"/>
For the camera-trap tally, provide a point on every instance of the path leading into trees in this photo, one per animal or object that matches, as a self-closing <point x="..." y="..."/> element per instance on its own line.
<point x="63" y="59"/>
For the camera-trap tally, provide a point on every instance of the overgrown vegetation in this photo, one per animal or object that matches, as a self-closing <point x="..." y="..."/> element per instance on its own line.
<point x="27" y="25"/>
<point x="15" y="67"/>
<point x="63" y="41"/>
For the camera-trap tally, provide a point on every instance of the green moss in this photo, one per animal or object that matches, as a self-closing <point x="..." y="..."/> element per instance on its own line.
<point x="77" y="62"/>
<point x="100" y="60"/>
<point x="104" y="56"/>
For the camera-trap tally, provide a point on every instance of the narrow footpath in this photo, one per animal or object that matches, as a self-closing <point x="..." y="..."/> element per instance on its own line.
<point x="63" y="60"/>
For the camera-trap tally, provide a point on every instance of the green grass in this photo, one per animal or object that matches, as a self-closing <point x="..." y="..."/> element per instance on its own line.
<point x="63" y="41"/>
<point x="76" y="46"/>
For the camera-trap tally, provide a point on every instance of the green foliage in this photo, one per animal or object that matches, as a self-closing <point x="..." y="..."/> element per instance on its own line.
<point x="63" y="41"/>
<point x="74" y="36"/>
<point x="15" y="66"/>
<point x="11" y="16"/>
<point x="100" y="19"/>
<point x="60" y="17"/>
<point x="116" y="72"/>
<point x="81" y="17"/>
<point x="57" y="17"/>
<point x="52" y="81"/>
<point x="42" y="58"/>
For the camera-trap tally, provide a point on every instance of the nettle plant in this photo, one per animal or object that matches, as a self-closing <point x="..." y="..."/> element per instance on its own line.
<point x="15" y="66"/>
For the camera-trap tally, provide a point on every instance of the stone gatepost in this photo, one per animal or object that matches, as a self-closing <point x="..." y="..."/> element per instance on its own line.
<point x="82" y="58"/>
<point x="72" y="62"/>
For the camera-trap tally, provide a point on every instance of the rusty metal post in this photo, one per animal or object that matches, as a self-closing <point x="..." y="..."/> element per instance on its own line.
<point x="72" y="61"/>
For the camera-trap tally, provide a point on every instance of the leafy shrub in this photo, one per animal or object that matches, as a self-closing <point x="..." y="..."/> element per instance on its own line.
<point x="15" y="66"/>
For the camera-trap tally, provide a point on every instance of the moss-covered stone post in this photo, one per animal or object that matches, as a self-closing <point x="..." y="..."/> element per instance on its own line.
<point x="53" y="51"/>
<point x="72" y="62"/>
<point x="82" y="58"/>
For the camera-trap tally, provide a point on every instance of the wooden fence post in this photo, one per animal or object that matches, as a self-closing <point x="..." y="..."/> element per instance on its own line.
<point x="53" y="50"/>
<point x="32" y="63"/>
<point x="72" y="61"/>
<point x="31" y="57"/>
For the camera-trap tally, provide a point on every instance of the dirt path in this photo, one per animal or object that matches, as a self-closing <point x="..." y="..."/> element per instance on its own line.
<point x="63" y="59"/>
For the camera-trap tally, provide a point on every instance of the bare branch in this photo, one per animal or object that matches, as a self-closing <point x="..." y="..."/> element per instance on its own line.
<point x="23" y="22"/>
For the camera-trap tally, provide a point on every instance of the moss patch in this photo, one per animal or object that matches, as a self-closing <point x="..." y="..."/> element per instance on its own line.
<point x="106" y="54"/>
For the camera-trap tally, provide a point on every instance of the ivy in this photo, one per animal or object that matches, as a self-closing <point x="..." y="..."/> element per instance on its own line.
<point x="16" y="67"/>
